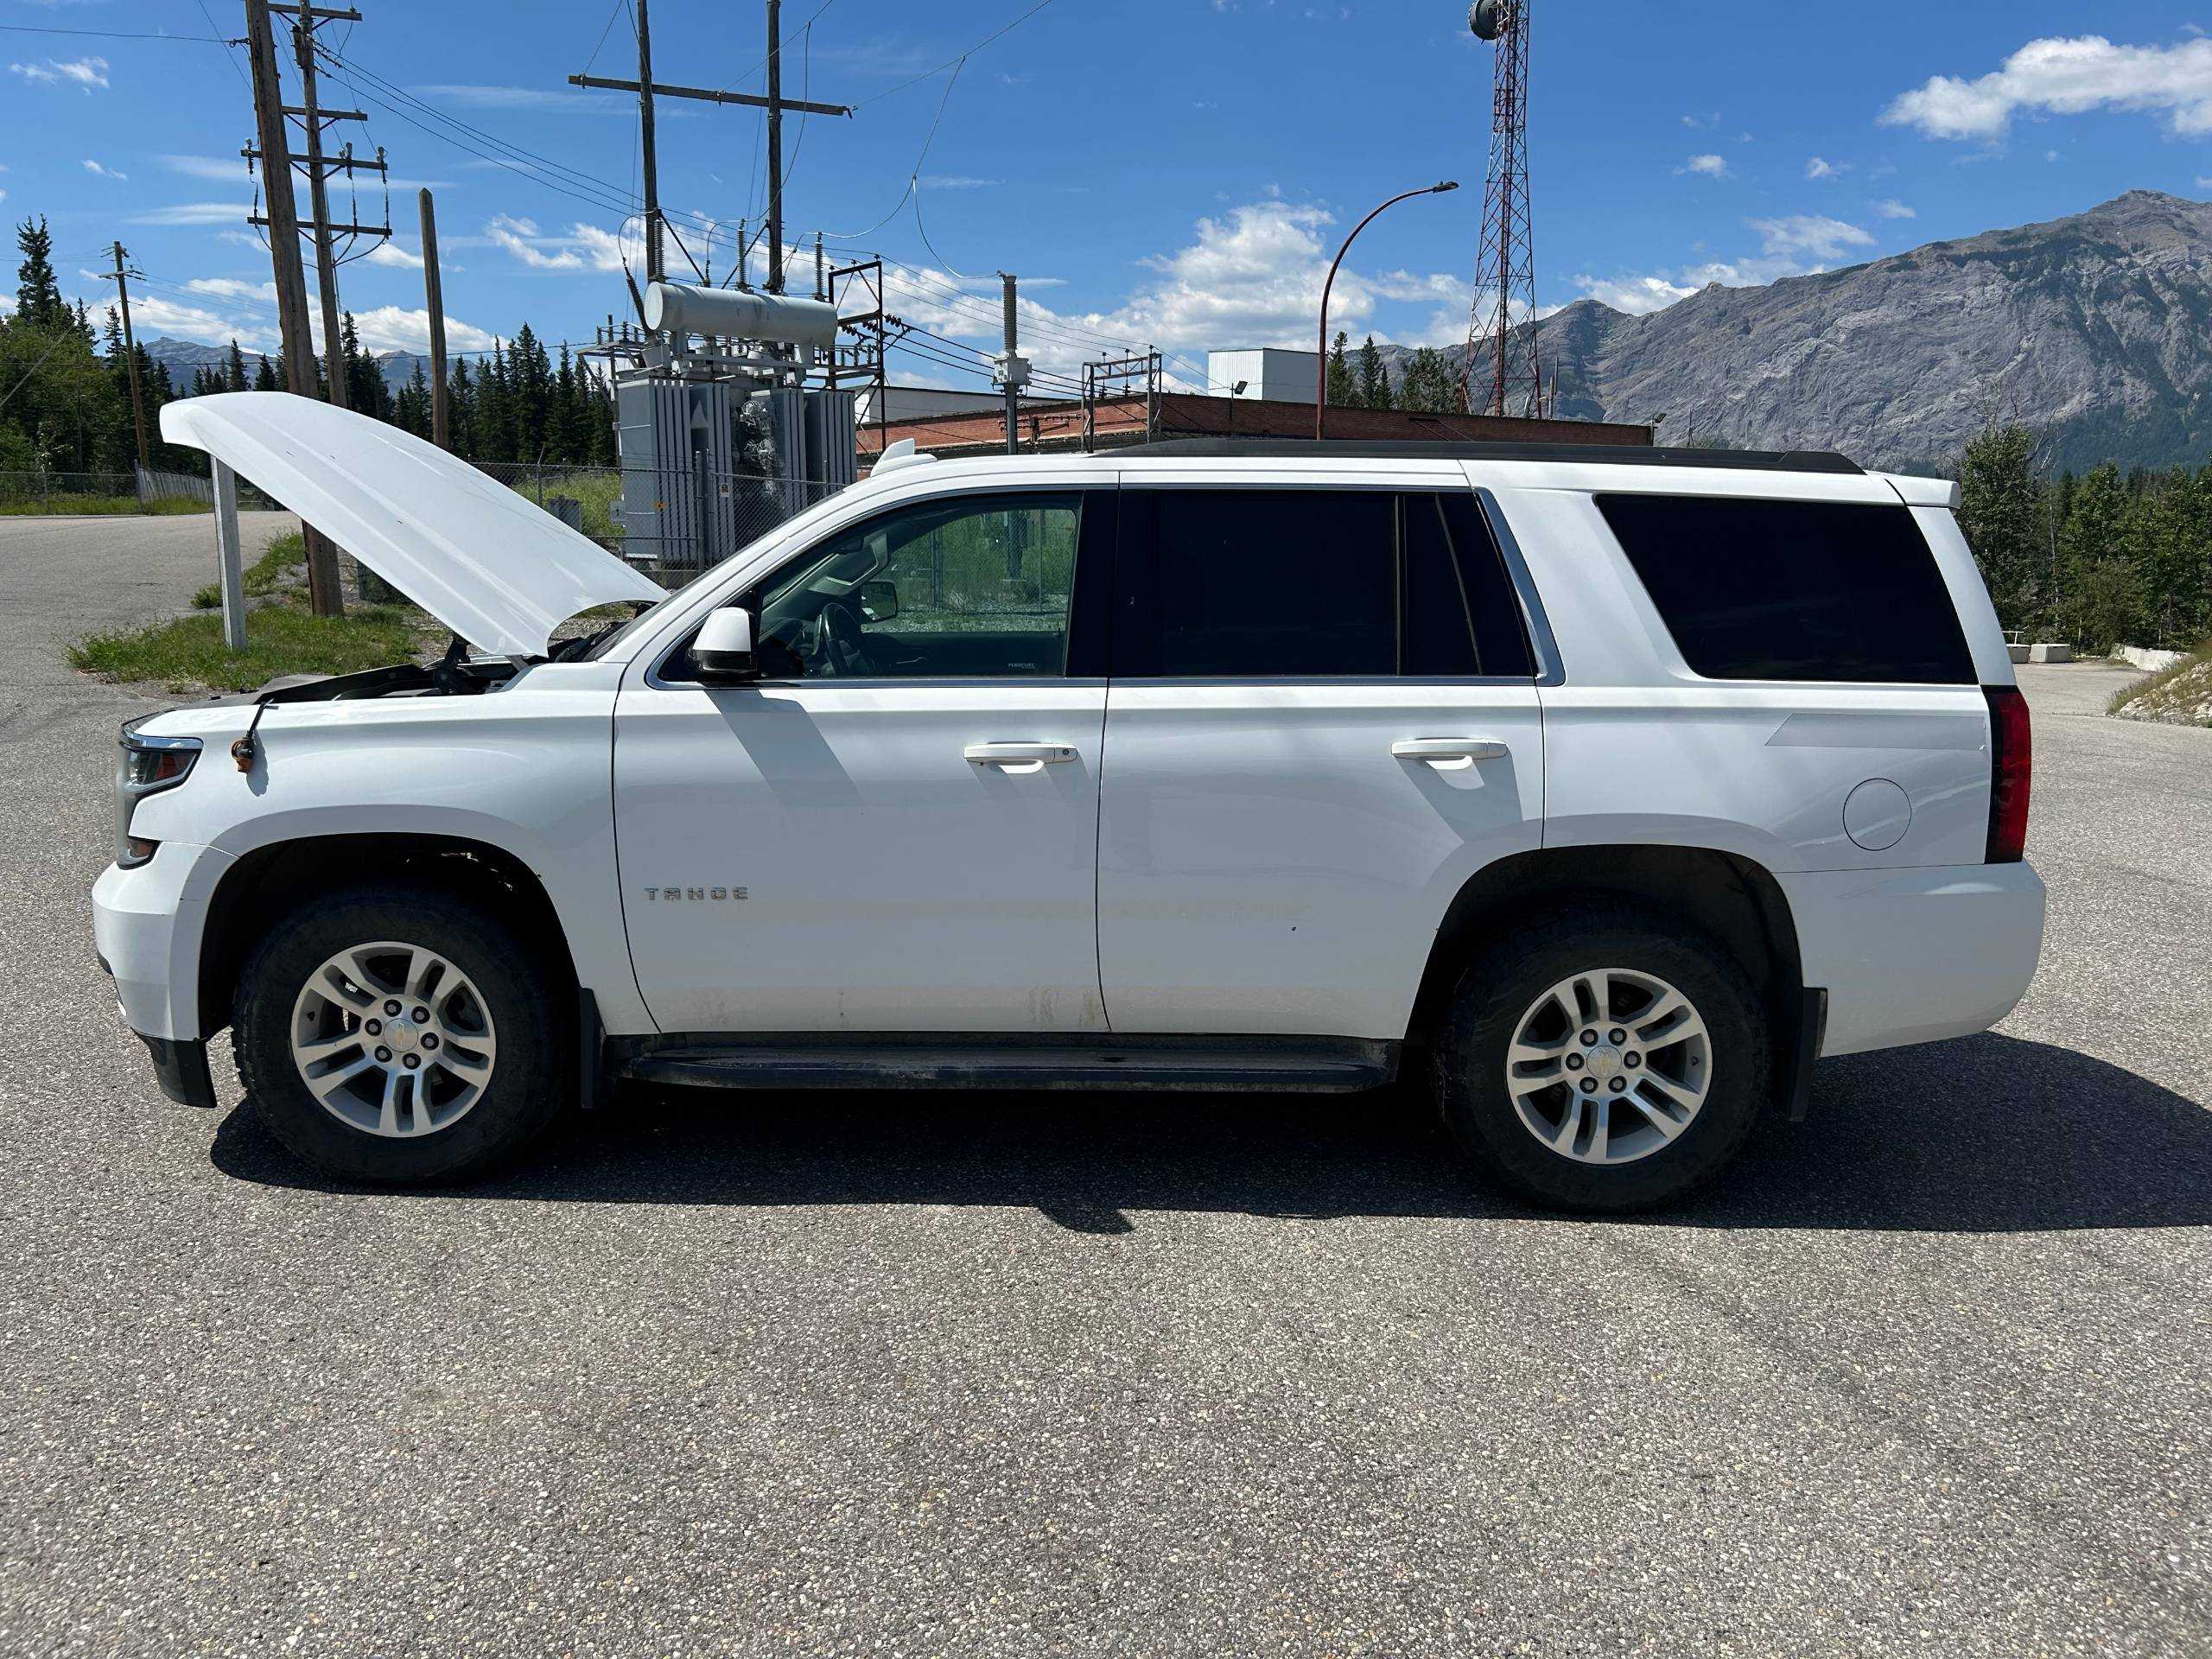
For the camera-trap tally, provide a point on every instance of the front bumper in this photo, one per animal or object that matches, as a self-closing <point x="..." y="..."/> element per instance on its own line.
<point x="146" y="924"/>
<point x="1917" y="955"/>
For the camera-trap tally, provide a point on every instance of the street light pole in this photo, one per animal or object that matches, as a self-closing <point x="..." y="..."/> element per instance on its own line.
<point x="1321" y="383"/>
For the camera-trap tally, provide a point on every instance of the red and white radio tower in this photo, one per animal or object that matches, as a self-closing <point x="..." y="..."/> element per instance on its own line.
<point x="1502" y="376"/>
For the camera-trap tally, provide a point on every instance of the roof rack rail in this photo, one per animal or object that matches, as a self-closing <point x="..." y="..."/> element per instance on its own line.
<point x="1610" y="454"/>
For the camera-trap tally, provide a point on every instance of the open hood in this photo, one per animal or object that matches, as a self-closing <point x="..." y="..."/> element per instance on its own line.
<point x="499" y="571"/>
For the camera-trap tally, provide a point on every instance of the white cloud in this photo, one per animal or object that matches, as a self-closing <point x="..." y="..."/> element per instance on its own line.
<point x="1891" y="207"/>
<point x="957" y="181"/>
<point x="1812" y="234"/>
<point x="98" y="171"/>
<point x="393" y="328"/>
<point x="218" y="169"/>
<point x="194" y="213"/>
<point x="1710" y="167"/>
<point x="1791" y="247"/>
<point x="1634" y="294"/>
<point x="1251" y="276"/>
<point x="83" y="73"/>
<point x="1819" y="168"/>
<point x="1702" y="121"/>
<point x="391" y="253"/>
<point x="231" y="288"/>
<point x="2067" y="76"/>
<point x="586" y="247"/>
<point x="152" y="314"/>
<point x="2202" y="183"/>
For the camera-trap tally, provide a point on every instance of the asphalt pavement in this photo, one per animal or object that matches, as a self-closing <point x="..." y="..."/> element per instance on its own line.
<point x="1924" y="1374"/>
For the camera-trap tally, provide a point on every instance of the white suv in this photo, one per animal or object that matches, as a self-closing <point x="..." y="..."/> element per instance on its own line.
<point x="1599" y="791"/>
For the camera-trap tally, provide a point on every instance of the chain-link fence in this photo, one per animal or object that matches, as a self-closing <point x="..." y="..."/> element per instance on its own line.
<point x="672" y="519"/>
<point x="149" y="490"/>
<point x="55" y="492"/>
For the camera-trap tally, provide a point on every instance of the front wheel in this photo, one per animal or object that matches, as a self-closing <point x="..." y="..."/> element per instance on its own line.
<point x="1603" y="1059"/>
<point x="400" y="1036"/>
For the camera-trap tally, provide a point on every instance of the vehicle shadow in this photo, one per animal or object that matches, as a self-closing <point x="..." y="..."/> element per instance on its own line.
<point x="1988" y="1133"/>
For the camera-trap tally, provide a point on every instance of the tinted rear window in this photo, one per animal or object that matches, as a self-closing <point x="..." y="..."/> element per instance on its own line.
<point x="1792" y="590"/>
<point x="1315" y="584"/>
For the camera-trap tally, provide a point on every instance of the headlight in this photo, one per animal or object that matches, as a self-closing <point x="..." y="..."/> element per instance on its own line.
<point x="148" y="766"/>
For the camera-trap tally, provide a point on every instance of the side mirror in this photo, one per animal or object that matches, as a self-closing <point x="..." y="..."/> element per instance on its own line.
<point x="878" y="600"/>
<point x="723" y="650"/>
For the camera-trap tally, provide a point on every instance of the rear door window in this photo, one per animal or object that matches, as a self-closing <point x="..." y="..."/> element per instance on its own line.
<point x="1794" y="590"/>
<point x="1312" y="584"/>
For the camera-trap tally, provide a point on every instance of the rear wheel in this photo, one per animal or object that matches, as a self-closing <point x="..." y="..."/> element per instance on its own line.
<point x="1603" y="1058"/>
<point x="400" y="1036"/>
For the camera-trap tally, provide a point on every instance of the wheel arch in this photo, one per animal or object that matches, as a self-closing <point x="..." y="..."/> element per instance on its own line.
<point x="1725" y="894"/>
<point x="263" y="885"/>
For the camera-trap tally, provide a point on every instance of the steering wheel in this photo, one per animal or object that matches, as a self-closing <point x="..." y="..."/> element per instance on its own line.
<point x="840" y="647"/>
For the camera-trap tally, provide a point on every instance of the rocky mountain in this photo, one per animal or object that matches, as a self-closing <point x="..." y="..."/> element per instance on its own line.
<point x="183" y="356"/>
<point x="2094" y="330"/>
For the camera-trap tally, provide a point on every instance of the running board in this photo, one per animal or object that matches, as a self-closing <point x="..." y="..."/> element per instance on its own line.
<point x="1262" y="1064"/>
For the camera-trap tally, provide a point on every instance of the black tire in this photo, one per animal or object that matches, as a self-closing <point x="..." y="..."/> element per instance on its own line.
<point x="533" y="1075"/>
<point x="1498" y="987"/>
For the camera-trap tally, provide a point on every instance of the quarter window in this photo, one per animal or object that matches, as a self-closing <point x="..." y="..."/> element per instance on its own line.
<point x="1794" y="590"/>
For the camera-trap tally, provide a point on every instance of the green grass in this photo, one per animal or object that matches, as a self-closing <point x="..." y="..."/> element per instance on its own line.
<point x="187" y="652"/>
<point x="98" y="506"/>
<point x="264" y="575"/>
<point x="2174" y="695"/>
<point x="598" y="492"/>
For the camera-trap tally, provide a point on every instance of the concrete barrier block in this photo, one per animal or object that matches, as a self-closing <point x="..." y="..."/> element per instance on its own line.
<point x="2150" y="661"/>
<point x="2050" y="653"/>
<point x="2019" y="653"/>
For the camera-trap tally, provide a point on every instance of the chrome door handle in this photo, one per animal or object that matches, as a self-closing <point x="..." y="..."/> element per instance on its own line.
<point x="1442" y="751"/>
<point x="1019" y="757"/>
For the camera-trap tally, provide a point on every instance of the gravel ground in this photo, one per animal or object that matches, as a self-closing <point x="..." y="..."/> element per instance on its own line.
<point x="1925" y="1375"/>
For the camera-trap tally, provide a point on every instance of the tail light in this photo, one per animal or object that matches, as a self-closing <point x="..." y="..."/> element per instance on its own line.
<point x="2012" y="767"/>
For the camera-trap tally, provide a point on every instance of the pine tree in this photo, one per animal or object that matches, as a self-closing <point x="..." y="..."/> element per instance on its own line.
<point x="1374" y="379"/>
<point x="1428" y="384"/>
<point x="234" y="368"/>
<point x="414" y="403"/>
<point x="38" y="297"/>
<point x="460" y="413"/>
<point x="2001" y="513"/>
<point x="2161" y="541"/>
<point x="2099" y="597"/>
<point x="266" y="378"/>
<point x="1341" y="391"/>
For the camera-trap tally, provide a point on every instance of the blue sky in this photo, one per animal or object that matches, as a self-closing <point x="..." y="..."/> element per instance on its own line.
<point x="1169" y="172"/>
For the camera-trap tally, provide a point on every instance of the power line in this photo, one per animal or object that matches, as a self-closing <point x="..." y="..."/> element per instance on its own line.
<point x="778" y="53"/>
<point x="895" y="91"/>
<point x="113" y="34"/>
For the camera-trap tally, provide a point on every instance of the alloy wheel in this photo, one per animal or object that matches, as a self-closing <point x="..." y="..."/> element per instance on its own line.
<point x="1609" y="1066"/>
<point x="393" y="1040"/>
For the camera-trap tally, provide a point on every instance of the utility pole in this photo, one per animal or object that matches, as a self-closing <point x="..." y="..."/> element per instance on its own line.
<point x="775" y="146"/>
<point x="434" y="298"/>
<point x="325" y="274"/>
<point x="324" y="594"/>
<point x="1011" y="371"/>
<point x="122" y="278"/>
<point x="654" y="266"/>
<point x="775" y="102"/>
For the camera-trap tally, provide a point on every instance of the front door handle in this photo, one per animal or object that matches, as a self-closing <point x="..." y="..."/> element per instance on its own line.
<point x="1448" y="753"/>
<point x="1020" y="757"/>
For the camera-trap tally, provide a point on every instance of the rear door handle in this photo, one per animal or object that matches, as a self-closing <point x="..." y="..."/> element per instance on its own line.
<point x="1020" y="757"/>
<point x="1452" y="751"/>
